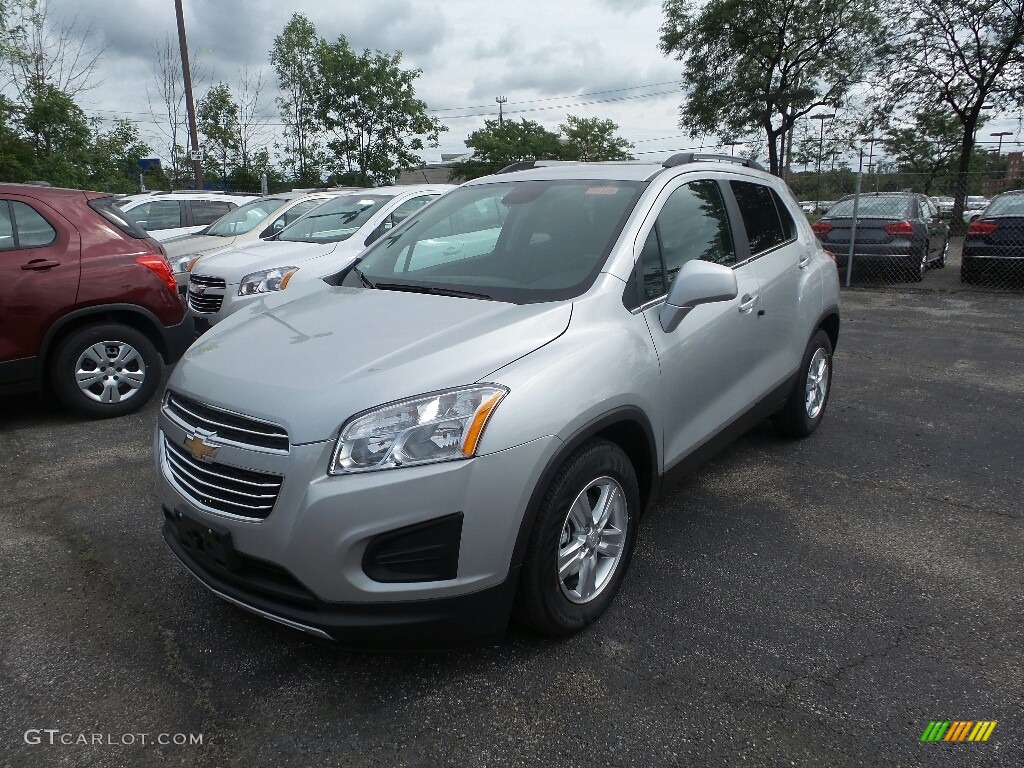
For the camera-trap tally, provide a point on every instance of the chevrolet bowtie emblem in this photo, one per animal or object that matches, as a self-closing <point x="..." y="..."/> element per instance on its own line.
<point x="199" y="448"/>
<point x="199" y="290"/>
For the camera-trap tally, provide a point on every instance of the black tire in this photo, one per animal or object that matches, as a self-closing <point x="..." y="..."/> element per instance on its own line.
<point x="940" y="263"/>
<point x="143" y="366"/>
<point x="794" y="420"/>
<point x="915" y="266"/>
<point x="542" y="601"/>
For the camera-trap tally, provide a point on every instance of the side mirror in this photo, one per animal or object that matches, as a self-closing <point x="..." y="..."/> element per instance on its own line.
<point x="273" y="229"/>
<point x="698" y="282"/>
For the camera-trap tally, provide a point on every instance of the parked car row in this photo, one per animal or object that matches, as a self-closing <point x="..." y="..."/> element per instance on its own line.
<point x="447" y="438"/>
<point x="170" y="214"/>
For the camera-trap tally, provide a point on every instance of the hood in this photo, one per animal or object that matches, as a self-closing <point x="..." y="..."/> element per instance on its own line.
<point x="194" y="244"/>
<point x="311" y="363"/>
<point x="236" y="263"/>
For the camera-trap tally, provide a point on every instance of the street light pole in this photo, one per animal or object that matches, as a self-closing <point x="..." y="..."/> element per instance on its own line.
<point x="821" y="148"/>
<point x="1000" y="134"/>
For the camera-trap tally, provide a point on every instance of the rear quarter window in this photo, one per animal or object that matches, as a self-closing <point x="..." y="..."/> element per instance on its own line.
<point x="32" y="229"/>
<point x="105" y="207"/>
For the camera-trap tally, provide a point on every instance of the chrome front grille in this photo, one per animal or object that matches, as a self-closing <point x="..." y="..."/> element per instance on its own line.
<point x="226" y="427"/>
<point x="202" y="302"/>
<point x="221" y="487"/>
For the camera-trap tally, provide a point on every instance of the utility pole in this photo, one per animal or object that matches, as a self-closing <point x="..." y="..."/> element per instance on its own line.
<point x="197" y="163"/>
<point x="821" y="148"/>
<point x="501" y="101"/>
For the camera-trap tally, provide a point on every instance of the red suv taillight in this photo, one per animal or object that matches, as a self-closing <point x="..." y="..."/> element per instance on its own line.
<point x="821" y="227"/>
<point x="981" y="228"/>
<point x="162" y="269"/>
<point x="899" y="228"/>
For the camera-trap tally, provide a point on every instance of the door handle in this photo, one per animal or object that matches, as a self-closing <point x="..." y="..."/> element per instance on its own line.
<point x="747" y="303"/>
<point x="40" y="265"/>
<point x="805" y="261"/>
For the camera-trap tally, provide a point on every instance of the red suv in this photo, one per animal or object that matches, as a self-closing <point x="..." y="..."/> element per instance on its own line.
<point x="88" y="302"/>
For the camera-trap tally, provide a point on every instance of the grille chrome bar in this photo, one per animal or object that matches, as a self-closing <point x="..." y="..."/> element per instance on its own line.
<point x="208" y="282"/>
<point x="190" y="478"/>
<point x="231" y="428"/>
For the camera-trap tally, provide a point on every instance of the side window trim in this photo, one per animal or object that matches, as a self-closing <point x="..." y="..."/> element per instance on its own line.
<point x="14" y="225"/>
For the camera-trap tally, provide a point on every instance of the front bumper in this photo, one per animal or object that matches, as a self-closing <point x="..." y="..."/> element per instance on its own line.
<point x="313" y="543"/>
<point x="399" y="626"/>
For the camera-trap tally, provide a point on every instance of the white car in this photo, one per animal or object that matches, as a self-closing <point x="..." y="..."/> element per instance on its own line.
<point x="320" y="243"/>
<point x="260" y="218"/>
<point x="168" y="214"/>
<point x="974" y="206"/>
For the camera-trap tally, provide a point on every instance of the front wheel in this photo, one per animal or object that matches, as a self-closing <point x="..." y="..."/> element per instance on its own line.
<point x="805" y="407"/>
<point x="940" y="262"/>
<point x="581" y="542"/>
<point x="105" y="370"/>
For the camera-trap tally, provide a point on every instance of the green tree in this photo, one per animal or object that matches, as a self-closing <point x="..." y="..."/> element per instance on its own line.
<point x="217" y="121"/>
<point x="593" y="139"/>
<point x="966" y="54"/>
<point x="115" y="155"/>
<point x="499" y="144"/>
<point x="59" y="134"/>
<point x="927" y="147"/>
<point x="296" y="59"/>
<point x="754" y="66"/>
<point x="368" y="103"/>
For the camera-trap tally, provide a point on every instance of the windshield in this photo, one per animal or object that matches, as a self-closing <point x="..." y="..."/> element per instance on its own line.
<point x="517" y="241"/>
<point x="245" y="218"/>
<point x="870" y="206"/>
<point x="335" y="220"/>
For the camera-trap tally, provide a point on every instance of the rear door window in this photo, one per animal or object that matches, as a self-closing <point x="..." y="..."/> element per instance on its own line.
<point x="766" y="219"/>
<point x="157" y="214"/>
<point x="208" y="211"/>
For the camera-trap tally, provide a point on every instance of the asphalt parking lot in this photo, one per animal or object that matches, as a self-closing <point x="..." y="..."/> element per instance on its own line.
<point x="810" y="603"/>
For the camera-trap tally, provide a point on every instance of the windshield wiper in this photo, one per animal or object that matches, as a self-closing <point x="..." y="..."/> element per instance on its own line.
<point x="433" y="290"/>
<point x="365" y="280"/>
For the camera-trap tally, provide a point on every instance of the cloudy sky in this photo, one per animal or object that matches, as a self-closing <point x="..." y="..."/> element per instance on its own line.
<point x="549" y="58"/>
<point x="593" y="58"/>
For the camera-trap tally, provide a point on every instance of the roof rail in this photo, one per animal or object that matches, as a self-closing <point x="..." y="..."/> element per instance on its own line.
<point x="683" y="158"/>
<point x="523" y="165"/>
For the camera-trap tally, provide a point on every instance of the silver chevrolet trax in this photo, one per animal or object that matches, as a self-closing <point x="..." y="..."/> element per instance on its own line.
<point x="469" y="421"/>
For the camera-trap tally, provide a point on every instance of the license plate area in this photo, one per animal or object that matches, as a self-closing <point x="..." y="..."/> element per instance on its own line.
<point x="208" y="543"/>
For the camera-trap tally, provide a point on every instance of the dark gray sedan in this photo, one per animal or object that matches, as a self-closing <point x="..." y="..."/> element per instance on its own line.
<point x="994" y="248"/>
<point x="900" y="231"/>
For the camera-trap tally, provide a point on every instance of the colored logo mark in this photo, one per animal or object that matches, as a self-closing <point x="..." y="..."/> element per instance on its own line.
<point x="958" y="730"/>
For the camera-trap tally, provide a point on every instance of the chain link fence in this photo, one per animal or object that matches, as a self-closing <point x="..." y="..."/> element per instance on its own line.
<point x="903" y="229"/>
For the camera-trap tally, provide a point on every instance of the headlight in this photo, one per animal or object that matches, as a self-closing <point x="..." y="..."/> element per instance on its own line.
<point x="266" y="281"/>
<point x="439" y="427"/>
